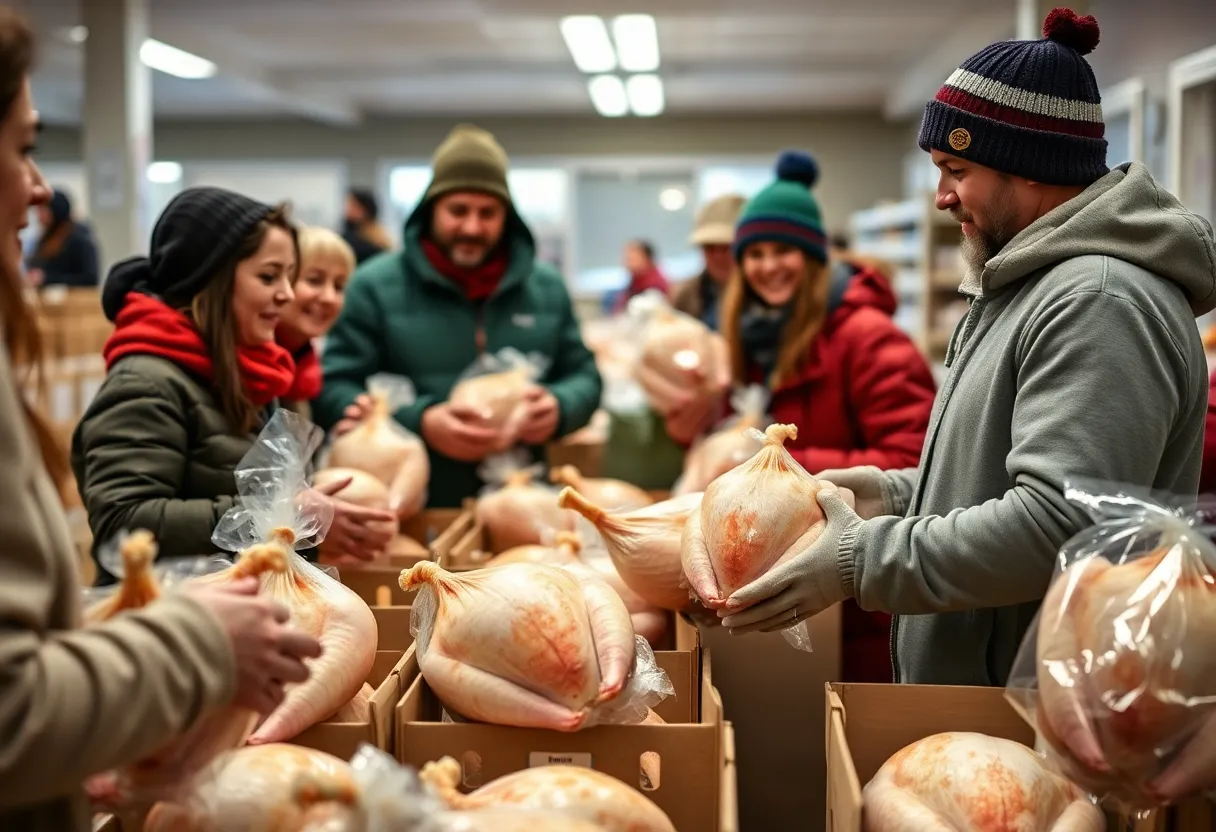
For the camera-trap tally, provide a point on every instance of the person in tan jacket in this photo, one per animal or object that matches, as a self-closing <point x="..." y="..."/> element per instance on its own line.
<point x="76" y="702"/>
<point x="714" y="232"/>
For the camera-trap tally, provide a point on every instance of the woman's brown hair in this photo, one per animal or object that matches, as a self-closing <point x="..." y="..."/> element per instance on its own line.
<point x="211" y="311"/>
<point x="808" y="311"/>
<point x="17" y="315"/>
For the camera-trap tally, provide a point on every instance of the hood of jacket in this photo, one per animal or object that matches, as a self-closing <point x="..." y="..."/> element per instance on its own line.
<point x="1124" y="215"/>
<point x="516" y="237"/>
<point x="858" y="286"/>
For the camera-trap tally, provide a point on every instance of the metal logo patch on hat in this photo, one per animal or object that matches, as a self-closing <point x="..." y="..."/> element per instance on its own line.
<point x="960" y="139"/>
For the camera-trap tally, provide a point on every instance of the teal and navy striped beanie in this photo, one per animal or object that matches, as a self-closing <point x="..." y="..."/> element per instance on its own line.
<point x="1029" y="108"/>
<point x="785" y="211"/>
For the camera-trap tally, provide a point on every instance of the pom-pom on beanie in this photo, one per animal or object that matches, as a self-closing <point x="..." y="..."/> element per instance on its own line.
<point x="785" y="211"/>
<point x="1029" y="108"/>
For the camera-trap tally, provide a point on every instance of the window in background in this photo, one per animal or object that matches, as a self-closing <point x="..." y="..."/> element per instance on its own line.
<point x="746" y="180"/>
<point x="406" y="185"/>
<point x="615" y="207"/>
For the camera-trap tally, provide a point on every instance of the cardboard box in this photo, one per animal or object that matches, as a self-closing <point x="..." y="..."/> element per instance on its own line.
<point x="393" y="625"/>
<point x="378" y="585"/>
<point x="691" y="748"/>
<point x="389" y="678"/>
<point x="729" y="818"/>
<point x="866" y="724"/>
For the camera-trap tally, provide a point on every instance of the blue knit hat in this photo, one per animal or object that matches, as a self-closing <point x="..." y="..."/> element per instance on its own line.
<point x="785" y="210"/>
<point x="1029" y="108"/>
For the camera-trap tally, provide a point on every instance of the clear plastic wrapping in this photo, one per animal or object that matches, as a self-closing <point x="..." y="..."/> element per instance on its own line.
<point x="384" y="448"/>
<point x="672" y="345"/>
<point x="752" y="518"/>
<point x="730" y="444"/>
<point x="276" y="513"/>
<point x="496" y="384"/>
<point x="1117" y="672"/>
<point x="531" y="601"/>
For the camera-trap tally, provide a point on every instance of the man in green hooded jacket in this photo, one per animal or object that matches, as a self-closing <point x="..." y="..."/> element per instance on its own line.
<point x="465" y="283"/>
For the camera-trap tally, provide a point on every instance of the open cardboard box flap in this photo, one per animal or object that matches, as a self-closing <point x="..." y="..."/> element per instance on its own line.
<point x="866" y="724"/>
<point x="342" y="739"/>
<point x="691" y="748"/>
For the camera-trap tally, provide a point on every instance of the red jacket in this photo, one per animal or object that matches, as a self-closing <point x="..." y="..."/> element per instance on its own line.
<point x="864" y="398"/>
<point x="652" y="278"/>
<point x="1207" y="476"/>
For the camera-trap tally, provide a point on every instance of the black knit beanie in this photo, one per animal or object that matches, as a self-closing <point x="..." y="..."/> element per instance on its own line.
<point x="1029" y="108"/>
<point x="200" y="230"/>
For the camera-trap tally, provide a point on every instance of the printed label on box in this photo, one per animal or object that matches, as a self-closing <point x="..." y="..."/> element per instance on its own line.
<point x="548" y="758"/>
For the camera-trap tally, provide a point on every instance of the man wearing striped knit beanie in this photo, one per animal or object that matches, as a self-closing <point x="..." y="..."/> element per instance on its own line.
<point x="1079" y="359"/>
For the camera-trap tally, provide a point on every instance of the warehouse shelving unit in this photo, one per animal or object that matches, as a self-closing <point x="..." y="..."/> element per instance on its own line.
<point x="923" y="244"/>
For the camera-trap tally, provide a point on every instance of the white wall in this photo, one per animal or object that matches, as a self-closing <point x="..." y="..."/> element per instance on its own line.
<point x="860" y="155"/>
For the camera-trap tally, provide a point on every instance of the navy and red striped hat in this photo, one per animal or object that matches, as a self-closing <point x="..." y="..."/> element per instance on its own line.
<point x="1029" y="108"/>
<point x="785" y="211"/>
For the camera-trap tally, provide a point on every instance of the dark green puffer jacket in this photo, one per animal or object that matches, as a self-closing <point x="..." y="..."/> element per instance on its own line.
<point x="154" y="451"/>
<point x="402" y="317"/>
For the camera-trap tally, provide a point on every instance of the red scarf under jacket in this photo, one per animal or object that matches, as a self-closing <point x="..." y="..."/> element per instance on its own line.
<point x="146" y="326"/>
<point x="307" y="383"/>
<point x="477" y="283"/>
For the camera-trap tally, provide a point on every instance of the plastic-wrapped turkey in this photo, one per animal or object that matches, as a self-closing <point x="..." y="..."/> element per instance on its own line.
<point x="531" y="645"/>
<point x="674" y="343"/>
<point x="649" y="622"/>
<point x="730" y="445"/>
<point x="563" y="549"/>
<point x="495" y="386"/>
<point x="644" y="545"/>
<point x="386" y="450"/>
<point x="363" y="490"/>
<point x="159" y="775"/>
<point x="611" y="494"/>
<point x="513" y="509"/>
<point x="581" y="794"/>
<point x="965" y="782"/>
<point x="278" y="511"/>
<point x="253" y="789"/>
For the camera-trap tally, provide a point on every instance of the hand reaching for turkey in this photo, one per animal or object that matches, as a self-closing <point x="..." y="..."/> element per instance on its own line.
<point x="355" y="412"/>
<point x="805" y="585"/>
<point x="542" y="419"/>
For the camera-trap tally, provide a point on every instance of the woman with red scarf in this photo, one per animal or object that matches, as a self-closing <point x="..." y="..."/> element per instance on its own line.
<point x="193" y="372"/>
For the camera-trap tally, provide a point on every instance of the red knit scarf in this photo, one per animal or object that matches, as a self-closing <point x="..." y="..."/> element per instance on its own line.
<point x="146" y="326"/>
<point x="478" y="282"/>
<point x="307" y="383"/>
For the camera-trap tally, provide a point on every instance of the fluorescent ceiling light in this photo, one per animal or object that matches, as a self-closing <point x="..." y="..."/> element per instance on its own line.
<point x="174" y="61"/>
<point x="672" y="199"/>
<point x="637" y="42"/>
<point x="645" y="93"/>
<point x="608" y="95"/>
<point x="587" y="39"/>
<point x="164" y="173"/>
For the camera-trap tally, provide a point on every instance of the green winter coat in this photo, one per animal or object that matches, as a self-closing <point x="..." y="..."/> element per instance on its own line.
<point x="154" y="451"/>
<point x="402" y="317"/>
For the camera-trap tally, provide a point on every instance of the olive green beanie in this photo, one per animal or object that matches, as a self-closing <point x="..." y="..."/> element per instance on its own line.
<point x="469" y="159"/>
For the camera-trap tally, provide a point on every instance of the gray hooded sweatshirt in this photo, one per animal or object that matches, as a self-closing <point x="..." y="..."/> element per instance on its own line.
<point x="1079" y="356"/>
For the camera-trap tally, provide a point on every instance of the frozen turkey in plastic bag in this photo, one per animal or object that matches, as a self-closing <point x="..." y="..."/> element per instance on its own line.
<point x="753" y="518"/>
<point x="731" y="443"/>
<point x="1118" y="673"/>
<point x="533" y="646"/>
<point x="513" y="507"/>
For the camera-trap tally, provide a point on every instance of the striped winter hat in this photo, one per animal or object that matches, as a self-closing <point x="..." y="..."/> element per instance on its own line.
<point x="785" y="210"/>
<point x="1028" y="108"/>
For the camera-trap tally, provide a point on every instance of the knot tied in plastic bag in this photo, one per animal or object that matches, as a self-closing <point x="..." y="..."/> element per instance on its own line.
<point x="515" y="505"/>
<point x="1117" y="673"/>
<point x="732" y="443"/>
<point x="532" y="645"/>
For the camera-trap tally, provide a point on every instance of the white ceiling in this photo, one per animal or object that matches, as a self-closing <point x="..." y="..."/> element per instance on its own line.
<point x="340" y="60"/>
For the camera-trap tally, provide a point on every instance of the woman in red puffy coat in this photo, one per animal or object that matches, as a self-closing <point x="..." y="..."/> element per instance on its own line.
<point x="820" y="336"/>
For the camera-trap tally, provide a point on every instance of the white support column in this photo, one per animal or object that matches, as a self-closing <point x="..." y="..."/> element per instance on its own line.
<point x="1031" y="13"/>
<point x="117" y="124"/>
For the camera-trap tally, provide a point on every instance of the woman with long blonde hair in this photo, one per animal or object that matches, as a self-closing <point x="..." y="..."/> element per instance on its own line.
<point x="74" y="702"/>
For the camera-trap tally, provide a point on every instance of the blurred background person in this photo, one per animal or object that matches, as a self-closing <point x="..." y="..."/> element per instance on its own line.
<point x="361" y="226"/>
<point x="714" y="233"/>
<point x="65" y="253"/>
<point x="644" y="273"/>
